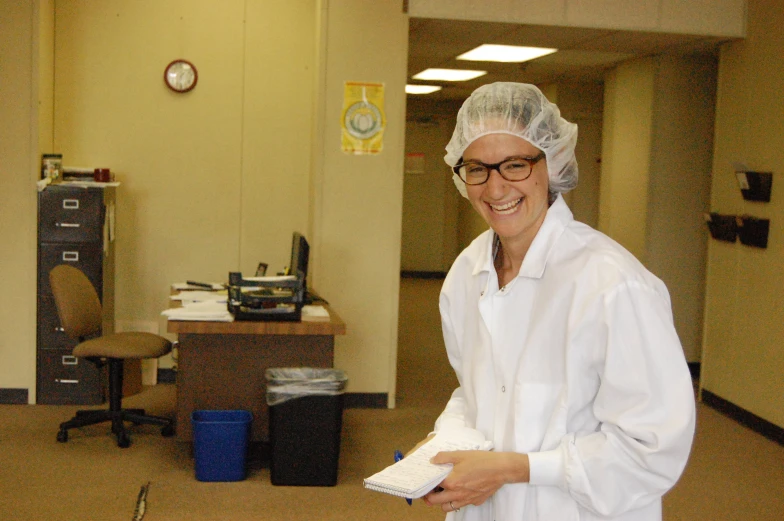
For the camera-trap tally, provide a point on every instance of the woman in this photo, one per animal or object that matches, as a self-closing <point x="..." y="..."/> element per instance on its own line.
<point x="562" y="342"/>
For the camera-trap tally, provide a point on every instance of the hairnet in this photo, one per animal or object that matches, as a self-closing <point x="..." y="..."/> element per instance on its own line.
<point x="521" y="110"/>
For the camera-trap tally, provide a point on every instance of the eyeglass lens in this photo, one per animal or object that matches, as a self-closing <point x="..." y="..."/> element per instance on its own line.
<point x="476" y="172"/>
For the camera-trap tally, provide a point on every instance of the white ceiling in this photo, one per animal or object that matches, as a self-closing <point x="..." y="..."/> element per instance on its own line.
<point x="584" y="54"/>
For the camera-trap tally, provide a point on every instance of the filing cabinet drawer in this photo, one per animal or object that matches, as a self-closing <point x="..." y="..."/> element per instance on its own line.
<point x="50" y="334"/>
<point x="86" y="257"/>
<point x="68" y="215"/>
<point x="64" y="379"/>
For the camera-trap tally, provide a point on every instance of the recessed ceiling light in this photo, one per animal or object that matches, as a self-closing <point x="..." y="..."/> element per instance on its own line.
<point x="421" y="89"/>
<point x="504" y="53"/>
<point x="448" y="74"/>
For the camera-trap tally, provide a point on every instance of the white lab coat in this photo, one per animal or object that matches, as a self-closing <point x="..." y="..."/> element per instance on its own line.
<point x="576" y="363"/>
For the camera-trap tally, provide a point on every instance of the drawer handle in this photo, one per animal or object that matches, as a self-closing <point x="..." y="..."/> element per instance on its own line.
<point x="64" y="381"/>
<point x="70" y="256"/>
<point x="60" y="329"/>
<point x="71" y="204"/>
<point x="70" y="360"/>
<point x="67" y="225"/>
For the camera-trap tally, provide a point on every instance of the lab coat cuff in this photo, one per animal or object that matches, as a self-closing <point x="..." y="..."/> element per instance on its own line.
<point x="546" y="468"/>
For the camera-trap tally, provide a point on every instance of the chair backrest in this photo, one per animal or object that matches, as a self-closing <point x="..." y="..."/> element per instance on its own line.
<point x="76" y="300"/>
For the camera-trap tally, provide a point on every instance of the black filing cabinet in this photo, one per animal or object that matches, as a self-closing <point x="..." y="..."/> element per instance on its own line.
<point x="75" y="227"/>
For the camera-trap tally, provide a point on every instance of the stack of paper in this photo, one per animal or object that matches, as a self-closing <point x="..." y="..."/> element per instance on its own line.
<point x="311" y="311"/>
<point x="207" y="311"/>
<point x="414" y="476"/>
<point x="187" y="297"/>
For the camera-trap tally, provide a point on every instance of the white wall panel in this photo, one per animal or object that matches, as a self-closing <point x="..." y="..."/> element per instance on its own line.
<point x="705" y="17"/>
<point x="642" y="15"/>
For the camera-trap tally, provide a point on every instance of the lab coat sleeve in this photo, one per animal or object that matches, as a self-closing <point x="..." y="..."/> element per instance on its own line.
<point x="645" y="406"/>
<point x="454" y="414"/>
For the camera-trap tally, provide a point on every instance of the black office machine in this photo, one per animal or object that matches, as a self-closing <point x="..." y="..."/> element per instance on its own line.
<point x="273" y="298"/>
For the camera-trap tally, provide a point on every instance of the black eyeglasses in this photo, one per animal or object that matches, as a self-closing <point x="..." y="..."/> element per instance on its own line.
<point x="512" y="169"/>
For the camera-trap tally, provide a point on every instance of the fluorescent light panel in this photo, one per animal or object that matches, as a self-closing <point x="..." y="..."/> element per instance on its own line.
<point x="505" y="53"/>
<point x="421" y="89"/>
<point x="448" y="75"/>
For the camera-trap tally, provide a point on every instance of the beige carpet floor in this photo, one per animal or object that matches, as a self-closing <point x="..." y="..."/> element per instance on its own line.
<point x="733" y="474"/>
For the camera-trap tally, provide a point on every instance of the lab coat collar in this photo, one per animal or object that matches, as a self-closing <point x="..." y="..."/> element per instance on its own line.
<point x="556" y="220"/>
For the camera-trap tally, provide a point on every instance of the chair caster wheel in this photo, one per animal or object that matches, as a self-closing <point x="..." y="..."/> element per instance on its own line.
<point x="123" y="441"/>
<point x="62" y="436"/>
<point x="167" y="431"/>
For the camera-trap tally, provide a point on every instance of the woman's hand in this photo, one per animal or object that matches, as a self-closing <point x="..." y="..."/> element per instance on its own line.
<point x="476" y="476"/>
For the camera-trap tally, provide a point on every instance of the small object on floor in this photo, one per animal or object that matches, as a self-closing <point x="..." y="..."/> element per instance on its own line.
<point x="141" y="503"/>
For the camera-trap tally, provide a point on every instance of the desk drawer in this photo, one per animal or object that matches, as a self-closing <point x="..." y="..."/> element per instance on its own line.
<point x="70" y="215"/>
<point x="64" y="379"/>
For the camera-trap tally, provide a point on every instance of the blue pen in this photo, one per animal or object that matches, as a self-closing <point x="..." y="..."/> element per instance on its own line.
<point x="398" y="457"/>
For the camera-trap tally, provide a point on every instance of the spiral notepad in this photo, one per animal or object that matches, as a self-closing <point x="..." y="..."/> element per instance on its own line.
<point x="414" y="476"/>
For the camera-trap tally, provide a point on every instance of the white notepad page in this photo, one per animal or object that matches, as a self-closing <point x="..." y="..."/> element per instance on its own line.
<point x="414" y="476"/>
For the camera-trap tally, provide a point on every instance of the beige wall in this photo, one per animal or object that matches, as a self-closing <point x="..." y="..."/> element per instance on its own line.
<point x="423" y="200"/>
<point x="218" y="178"/>
<point x="359" y="199"/>
<point x="203" y="173"/>
<point x="582" y="103"/>
<point x="743" y="358"/>
<point x="626" y="148"/>
<point x="679" y="189"/>
<point x="19" y="168"/>
<point x="179" y="157"/>
<point x="45" y="76"/>
<point x="655" y="174"/>
<point x="429" y="233"/>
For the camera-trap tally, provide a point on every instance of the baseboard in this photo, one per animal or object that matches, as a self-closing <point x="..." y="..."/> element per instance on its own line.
<point x="13" y="396"/>
<point x="365" y="400"/>
<point x="423" y="274"/>
<point x="694" y="369"/>
<point x="759" y="425"/>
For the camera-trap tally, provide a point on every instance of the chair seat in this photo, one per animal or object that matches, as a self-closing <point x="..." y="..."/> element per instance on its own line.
<point x="124" y="345"/>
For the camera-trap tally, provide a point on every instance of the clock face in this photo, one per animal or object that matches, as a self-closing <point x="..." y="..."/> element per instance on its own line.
<point x="180" y="76"/>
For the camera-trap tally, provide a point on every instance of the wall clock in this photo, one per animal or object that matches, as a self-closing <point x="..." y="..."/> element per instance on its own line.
<point x="180" y="76"/>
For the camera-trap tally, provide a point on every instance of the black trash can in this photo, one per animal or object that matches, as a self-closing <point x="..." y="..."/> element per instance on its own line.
<point x="305" y="422"/>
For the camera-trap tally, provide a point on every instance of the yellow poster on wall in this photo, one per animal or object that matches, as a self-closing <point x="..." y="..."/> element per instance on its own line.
<point x="363" y="119"/>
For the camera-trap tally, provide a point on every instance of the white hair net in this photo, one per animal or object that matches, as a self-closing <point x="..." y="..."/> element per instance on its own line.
<point x="521" y="110"/>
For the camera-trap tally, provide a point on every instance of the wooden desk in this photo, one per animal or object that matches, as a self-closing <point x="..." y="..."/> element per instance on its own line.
<point x="220" y="365"/>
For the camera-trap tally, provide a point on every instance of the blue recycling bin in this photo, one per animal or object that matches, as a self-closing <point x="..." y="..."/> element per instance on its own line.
<point x="220" y="444"/>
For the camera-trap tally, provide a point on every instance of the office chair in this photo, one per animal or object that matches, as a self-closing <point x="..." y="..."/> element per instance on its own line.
<point x="79" y="310"/>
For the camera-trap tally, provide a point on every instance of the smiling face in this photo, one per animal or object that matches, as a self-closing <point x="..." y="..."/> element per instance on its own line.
<point x="515" y="210"/>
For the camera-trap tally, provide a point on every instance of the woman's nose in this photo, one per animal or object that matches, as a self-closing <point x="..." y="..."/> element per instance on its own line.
<point x="495" y="182"/>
